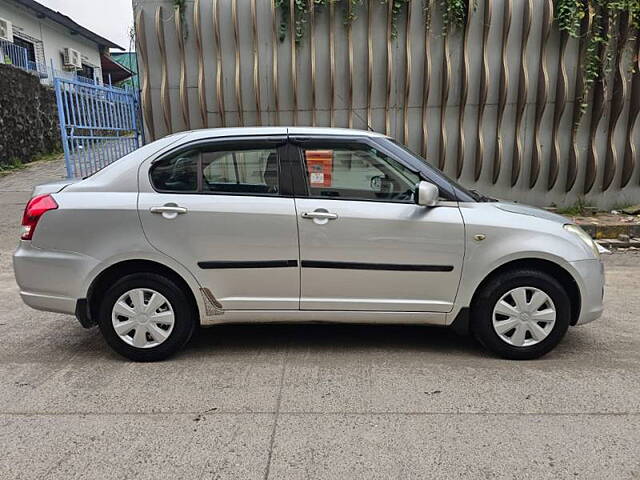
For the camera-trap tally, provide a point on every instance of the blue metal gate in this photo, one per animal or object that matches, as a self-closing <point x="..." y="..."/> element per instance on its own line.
<point x="99" y="124"/>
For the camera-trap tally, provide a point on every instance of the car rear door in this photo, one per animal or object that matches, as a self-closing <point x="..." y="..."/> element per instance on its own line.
<point x="364" y="243"/>
<point x="224" y="210"/>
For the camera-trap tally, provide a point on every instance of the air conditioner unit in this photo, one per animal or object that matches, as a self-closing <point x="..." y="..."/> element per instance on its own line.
<point x="6" y="30"/>
<point x="72" y="59"/>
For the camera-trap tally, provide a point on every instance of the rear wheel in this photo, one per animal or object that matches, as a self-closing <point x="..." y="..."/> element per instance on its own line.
<point x="521" y="314"/>
<point x="146" y="317"/>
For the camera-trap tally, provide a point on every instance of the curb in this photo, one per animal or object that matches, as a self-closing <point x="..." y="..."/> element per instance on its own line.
<point x="616" y="243"/>
<point x="601" y="232"/>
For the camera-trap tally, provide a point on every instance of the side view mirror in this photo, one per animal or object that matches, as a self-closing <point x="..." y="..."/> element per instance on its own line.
<point x="426" y="194"/>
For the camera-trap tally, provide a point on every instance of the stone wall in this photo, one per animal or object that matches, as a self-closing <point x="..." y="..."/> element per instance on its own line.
<point x="28" y="117"/>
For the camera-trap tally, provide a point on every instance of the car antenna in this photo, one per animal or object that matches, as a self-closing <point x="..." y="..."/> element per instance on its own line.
<point x="356" y="114"/>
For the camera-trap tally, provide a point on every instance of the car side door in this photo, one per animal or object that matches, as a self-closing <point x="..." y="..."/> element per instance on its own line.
<point x="224" y="209"/>
<point x="364" y="243"/>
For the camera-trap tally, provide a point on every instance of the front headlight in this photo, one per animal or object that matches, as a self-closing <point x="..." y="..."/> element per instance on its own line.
<point x="584" y="236"/>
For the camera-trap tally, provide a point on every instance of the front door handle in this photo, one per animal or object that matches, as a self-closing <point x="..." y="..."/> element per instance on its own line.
<point x="320" y="215"/>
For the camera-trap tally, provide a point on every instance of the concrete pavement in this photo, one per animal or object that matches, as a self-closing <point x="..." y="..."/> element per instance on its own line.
<point x="314" y="401"/>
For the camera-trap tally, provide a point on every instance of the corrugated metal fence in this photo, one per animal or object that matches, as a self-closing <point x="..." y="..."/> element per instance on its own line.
<point x="492" y="105"/>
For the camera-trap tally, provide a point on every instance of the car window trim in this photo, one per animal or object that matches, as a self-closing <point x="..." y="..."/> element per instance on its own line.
<point x="300" y="181"/>
<point x="279" y="142"/>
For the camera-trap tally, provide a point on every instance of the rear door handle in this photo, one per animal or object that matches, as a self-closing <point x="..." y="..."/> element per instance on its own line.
<point x="168" y="209"/>
<point x="320" y="215"/>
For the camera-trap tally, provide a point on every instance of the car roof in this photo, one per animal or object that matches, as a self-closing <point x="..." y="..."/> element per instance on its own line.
<point x="263" y="131"/>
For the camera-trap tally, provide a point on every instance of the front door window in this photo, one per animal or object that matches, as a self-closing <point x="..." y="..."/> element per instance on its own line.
<point x="357" y="172"/>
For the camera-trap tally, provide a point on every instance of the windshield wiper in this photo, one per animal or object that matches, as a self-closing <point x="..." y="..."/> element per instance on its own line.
<point x="482" y="198"/>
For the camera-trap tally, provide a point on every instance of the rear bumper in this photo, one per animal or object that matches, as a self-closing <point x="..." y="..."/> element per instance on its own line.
<point x="590" y="276"/>
<point x="51" y="280"/>
<point x="49" y="303"/>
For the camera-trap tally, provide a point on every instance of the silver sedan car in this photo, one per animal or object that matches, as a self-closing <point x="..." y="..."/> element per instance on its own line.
<point x="298" y="225"/>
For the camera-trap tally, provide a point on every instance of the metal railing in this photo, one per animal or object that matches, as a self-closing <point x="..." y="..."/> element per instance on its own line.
<point x="81" y="79"/>
<point x="14" y="55"/>
<point x="99" y="124"/>
<point x="39" y="68"/>
<point x="17" y="56"/>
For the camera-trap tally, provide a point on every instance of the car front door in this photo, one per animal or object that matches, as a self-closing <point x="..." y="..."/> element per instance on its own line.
<point x="221" y="209"/>
<point x="364" y="243"/>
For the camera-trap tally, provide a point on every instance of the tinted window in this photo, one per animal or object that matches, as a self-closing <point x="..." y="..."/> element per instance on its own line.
<point x="357" y="172"/>
<point x="244" y="171"/>
<point x="251" y="171"/>
<point x="178" y="173"/>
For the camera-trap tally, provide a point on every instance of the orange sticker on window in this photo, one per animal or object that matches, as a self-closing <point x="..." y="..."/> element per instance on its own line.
<point x="319" y="167"/>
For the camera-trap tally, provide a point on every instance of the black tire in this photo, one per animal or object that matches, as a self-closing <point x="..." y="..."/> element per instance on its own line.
<point x="184" y="317"/>
<point x="486" y="299"/>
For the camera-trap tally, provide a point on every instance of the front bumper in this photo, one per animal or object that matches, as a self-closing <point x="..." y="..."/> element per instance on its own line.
<point x="51" y="280"/>
<point x="590" y="277"/>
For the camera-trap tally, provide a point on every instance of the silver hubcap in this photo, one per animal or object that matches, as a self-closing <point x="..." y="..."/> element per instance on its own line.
<point x="524" y="316"/>
<point x="143" y="318"/>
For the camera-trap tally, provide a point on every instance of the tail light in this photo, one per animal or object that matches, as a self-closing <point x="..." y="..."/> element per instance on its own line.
<point x="36" y="207"/>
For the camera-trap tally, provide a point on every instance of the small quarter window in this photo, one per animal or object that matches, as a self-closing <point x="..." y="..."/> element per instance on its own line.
<point x="178" y="173"/>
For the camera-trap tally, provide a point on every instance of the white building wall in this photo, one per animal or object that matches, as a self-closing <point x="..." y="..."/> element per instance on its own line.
<point x="54" y="37"/>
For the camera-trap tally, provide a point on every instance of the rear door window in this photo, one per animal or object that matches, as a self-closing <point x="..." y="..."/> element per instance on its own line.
<point x="215" y="169"/>
<point x="244" y="171"/>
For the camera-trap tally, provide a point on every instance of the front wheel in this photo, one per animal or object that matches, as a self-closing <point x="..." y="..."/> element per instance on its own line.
<point x="521" y="314"/>
<point x="146" y="317"/>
